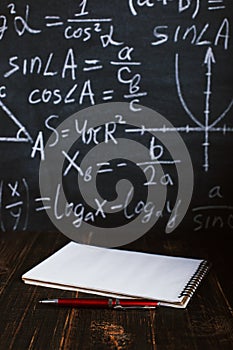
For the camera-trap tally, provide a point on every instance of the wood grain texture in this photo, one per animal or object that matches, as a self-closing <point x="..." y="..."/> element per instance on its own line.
<point x="24" y="324"/>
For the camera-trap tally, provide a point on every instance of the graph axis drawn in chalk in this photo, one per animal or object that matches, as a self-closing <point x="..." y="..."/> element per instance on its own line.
<point x="200" y="127"/>
<point x="205" y="127"/>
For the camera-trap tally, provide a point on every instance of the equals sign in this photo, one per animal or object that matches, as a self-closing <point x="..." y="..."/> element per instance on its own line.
<point x="107" y="95"/>
<point x="215" y="5"/>
<point x="92" y="65"/>
<point x="105" y="170"/>
<point x="65" y="133"/>
<point x="54" y="21"/>
<point x="43" y="206"/>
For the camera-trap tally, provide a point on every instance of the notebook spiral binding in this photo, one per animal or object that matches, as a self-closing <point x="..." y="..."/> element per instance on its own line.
<point x="195" y="280"/>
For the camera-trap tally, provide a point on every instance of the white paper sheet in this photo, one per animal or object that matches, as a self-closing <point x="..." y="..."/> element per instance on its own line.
<point x="115" y="272"/>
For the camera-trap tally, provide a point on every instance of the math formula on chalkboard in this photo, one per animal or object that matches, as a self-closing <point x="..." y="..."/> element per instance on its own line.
<point x="116" y="118"/>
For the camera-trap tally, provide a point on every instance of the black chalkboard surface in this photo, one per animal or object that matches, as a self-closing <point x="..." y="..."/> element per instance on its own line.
<point x="59" y="58"/>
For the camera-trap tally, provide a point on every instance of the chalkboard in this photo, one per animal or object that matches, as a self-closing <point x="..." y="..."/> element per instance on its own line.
<point x="63" y="63"/>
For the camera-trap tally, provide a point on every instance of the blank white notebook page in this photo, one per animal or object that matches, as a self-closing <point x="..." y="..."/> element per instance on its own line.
<point x="134" y="274"/>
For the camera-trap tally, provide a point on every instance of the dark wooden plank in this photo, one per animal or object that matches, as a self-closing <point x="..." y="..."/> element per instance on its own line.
<point x="20" y="323"/>
<point x="206" y="323"/>
<point x="106" y="329"/>
<point x="25" y="324"/>
<point x="13" y="250"/>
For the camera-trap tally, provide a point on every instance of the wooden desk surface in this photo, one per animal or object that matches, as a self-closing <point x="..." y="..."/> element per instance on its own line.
<point x="25" y="324"/>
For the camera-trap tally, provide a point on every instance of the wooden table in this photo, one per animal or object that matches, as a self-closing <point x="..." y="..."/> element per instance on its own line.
<point x="24" y="324"/>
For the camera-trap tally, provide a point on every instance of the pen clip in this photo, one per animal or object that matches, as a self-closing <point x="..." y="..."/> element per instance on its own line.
<point x="118" y="306"/>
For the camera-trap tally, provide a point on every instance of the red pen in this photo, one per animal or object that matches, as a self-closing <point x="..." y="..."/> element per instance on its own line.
<point x="108" y="303"/>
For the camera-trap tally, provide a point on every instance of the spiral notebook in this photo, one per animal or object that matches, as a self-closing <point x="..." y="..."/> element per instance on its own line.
<point x="119" y="273"/>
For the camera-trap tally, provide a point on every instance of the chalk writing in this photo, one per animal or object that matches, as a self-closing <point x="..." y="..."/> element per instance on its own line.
<point x="21" y="134"/>
<point x="14" y="205"/>
<point x="213" y="215"/>
<point x="194" y="35"/>
<point x="21" y="24"/>
<point x="172" y="56"/>
<point x="192" y="6"/>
